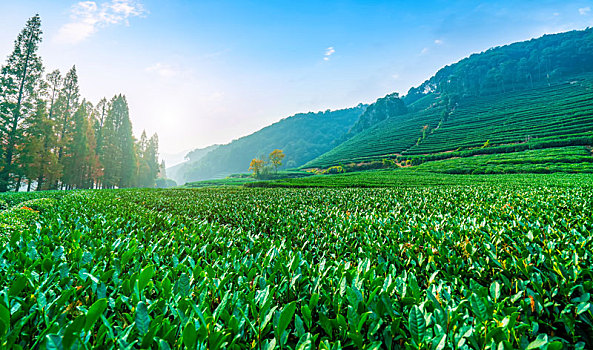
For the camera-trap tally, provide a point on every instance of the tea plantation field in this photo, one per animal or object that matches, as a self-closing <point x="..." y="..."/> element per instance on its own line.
<point x="557" y="115"/>
<point x="499" y="263"/>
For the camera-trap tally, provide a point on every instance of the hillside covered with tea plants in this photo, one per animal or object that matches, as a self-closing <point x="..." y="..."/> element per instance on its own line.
<point x="550" y="116"/>
<point x="435" y="262"/>
<point x="527" y="97"/>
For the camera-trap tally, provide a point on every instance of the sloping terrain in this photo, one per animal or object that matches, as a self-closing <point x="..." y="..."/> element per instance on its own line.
<point x="176" y="172"/>
<point x="386" y="139"/>
<point x="557" y="111"/>
<point x="527" y="95"/>
<point x="301" y="137"/>
<point x="557" y="115"/>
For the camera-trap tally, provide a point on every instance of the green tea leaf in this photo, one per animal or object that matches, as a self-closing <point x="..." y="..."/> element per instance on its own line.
<point x="555" y="345"/>
<point x="17" y="285"/>
<point x="163" y="345"/>
<point x="304" y="342"/>
<point x="478" y="307"/>
<point x="268" y="317"/>
<point x="94" y="313"/>
<point x="183" y="285"/>
<point x="53" y="342"/>
<point x="145" y="277"/>
<point x="142" y="318"/>
<point x="190" y="336"/>
<point x="285" y="319"/>
<point x="582" y="307"/>
<point x="417" y="324"/>
<point x="4" y="320"/>
<point x="72" y="330"/>
<point x="495" y="291"/>
<point x="541" y="340"/>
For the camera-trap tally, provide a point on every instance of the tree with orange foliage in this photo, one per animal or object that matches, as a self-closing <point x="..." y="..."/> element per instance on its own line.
<point x="256" y="165"/>
<point x="276" y="158"/>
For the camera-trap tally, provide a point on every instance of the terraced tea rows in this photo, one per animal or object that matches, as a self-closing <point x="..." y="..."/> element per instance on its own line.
<point x="561" y="110"/>
<point x="572" y="159"/>
<point x="387" y="138"/>
<point x="439" y="267"/>
<point x="549" y="116"/>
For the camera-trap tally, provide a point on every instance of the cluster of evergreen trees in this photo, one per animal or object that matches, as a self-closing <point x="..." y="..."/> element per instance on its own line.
<point x="54" y="139"/>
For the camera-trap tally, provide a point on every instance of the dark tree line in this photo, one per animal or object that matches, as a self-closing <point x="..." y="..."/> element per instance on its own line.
<point x="513" y="67"/>
<point x="51" y="138"/>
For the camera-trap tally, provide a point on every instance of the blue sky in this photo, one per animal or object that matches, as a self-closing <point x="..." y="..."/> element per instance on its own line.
<point x="204" y="72"/>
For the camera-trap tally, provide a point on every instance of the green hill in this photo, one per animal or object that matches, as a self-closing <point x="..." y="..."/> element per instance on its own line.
<point x="301" y="137"/>
<point x="456" y="114"/>
<point x="176" y="172"/>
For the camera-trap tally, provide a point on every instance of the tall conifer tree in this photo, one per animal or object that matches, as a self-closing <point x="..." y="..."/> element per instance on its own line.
<point x="20" y="77"/>
<point x="80" y="159"/>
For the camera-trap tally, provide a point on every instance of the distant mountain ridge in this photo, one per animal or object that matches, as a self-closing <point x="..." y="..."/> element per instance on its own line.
<point x="176" y="172"/>
<point x="302" y="137"/>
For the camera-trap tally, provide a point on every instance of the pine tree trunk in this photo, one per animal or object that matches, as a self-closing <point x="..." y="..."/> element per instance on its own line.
<point x="39" y="182"/>
<point x="18" y="185"/>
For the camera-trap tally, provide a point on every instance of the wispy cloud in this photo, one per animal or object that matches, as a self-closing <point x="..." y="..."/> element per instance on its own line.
<point x="438" y="42"/>
<point x="87" y="17"/>
<point x="328" y="52"/>
<point x="584" y="10"/>
<point x="164" y="70"/>
<point x="424" y="51"/>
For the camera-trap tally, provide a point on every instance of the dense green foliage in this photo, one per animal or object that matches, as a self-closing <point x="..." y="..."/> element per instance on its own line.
<point x="575" y="159"/>
<point x="489" y="265"/>
<point x="228" y="181"/>
<point x="302" y="137"/>
<point x="51" y="139"/>
<point x="527" y="95"/>
<point x="549" y="116"/>
<point x="560" y="110"/>
<point x="517" y="66"/>
<point x="411" y="177"/>
<point x="245" y="179"/>
<point x="385" y="107"/>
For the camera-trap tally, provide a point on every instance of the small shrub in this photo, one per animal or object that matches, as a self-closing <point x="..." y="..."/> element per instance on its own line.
<point x="39" y="204"/>
<point x="335" y="170"/>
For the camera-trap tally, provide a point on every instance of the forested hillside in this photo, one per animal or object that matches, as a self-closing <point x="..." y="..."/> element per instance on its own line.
<point x="52" y="138"/>
<point x="301" y="137"/>
<point x="176" y="171"/>
<point x="527" y="95"/>
<point x="517" y="66"/>
<point x="385" y="107"/>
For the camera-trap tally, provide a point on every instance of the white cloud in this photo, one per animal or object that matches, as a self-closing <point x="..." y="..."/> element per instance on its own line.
<point x="424" y="51"/>
<point x="328" y="52"/>
<point x="395" y="76"/>
<point x="438" y="42"/>
<point x="163" y="69"/>
<point x="584" y="10"/>
<point x="87" y="17"/>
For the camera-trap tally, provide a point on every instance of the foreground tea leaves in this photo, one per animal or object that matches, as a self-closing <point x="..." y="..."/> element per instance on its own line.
<point x="479" y="266"/>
